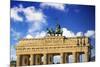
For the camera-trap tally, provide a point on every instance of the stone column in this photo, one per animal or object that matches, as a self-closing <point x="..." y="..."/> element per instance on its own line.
<point x="62" y="58"/>
<point x="50" y="59"/>
<point x="74" y="57"/>
<point x="77" y="57"/>
<point x="25" y="60"/>
<point x="45" y="59"/>
<point x="18" y="60"/>
<point x="65" y="58"/>
<point x="31" y="59"/>
<point x="37" y="59"/>
<point x="86" y="56"/>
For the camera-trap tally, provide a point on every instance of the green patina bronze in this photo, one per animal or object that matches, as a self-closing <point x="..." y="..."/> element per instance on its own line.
<point x="57" y="31"/>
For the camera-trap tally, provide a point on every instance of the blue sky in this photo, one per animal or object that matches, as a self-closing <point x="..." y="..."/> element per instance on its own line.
<point x="32" y="18"/>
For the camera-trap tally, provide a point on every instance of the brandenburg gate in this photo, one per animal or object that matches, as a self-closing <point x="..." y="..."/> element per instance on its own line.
<point x="39" y="51"/>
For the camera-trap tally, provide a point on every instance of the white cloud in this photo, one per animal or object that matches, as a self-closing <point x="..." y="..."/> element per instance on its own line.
<point x="33" y="15"/>
<point x="90" y="33"/>
<point x="15" y="35"/>
<point x="68" y="33"/>
<point x="40" y="34"/>
<point x="35" y="18"/>
<point x="29" y="36"/>
<point x="34" y="27"/>
<point x="15" y="14"/>
<point x="79" y="34"/>
<point x="57" y="6"/>
<point x="36" y="35"/>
